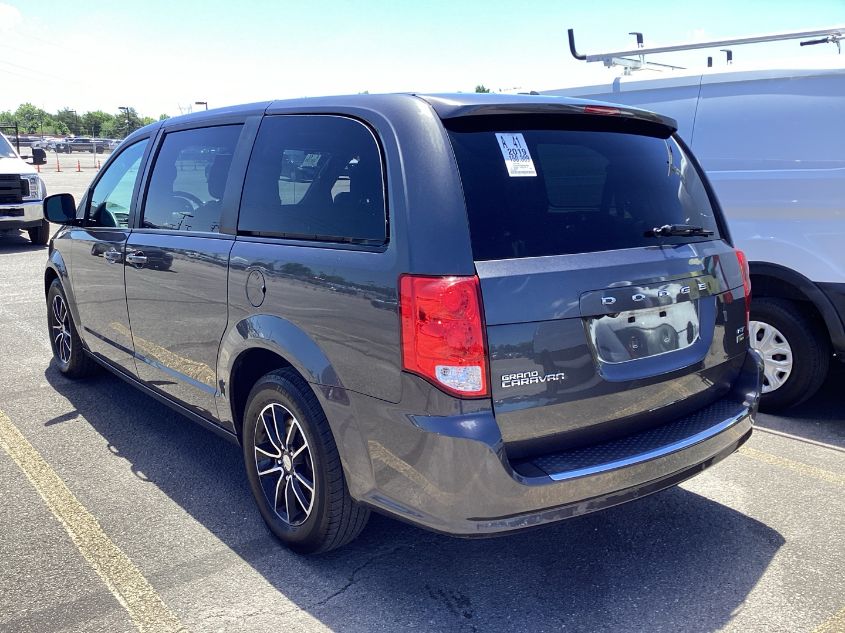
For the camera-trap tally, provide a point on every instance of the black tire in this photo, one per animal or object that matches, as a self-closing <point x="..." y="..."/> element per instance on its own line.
<point x="40" y="235"/>
<point x="72" y="362"/>
<point x="806" y="337"/>
<point x="334" y="518"/>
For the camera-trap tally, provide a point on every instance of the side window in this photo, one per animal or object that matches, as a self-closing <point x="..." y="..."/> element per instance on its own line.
<point x="314" y="177"/>
<point x="189" y="178"/>
<point x="112" y="196"/>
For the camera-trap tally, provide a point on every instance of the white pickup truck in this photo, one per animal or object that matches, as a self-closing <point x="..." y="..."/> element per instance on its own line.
<point x="21" y="194"/>
<point x="770" y="140"/>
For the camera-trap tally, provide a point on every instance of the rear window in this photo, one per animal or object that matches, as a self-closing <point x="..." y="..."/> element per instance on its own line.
<point x="538" y="192"/>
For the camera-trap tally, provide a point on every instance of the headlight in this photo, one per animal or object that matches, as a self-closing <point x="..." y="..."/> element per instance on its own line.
<point x="36" y="189"/>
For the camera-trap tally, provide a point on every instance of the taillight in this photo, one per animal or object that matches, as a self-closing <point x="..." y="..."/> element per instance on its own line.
<point x="746" y="283"/>
<point x="599" y="109"/>
<point x="443" y="332"/>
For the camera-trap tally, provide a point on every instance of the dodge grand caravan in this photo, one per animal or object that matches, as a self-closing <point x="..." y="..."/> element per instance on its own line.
<point x="479" y="313"/>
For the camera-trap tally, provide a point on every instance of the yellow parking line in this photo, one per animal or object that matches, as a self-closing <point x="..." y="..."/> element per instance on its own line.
<point x="804" y="469"/>
<point x="145" y="607"/>
<point x="834" y="624"/>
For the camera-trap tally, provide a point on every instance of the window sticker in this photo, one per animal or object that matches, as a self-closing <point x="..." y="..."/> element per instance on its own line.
<point x="311" y="160"/>
<point x="516" y="155"/>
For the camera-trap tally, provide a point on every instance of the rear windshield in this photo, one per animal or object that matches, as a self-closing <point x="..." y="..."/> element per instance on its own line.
<point x="537" y="192"/>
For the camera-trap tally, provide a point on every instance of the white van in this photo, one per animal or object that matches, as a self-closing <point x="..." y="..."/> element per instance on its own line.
<point x="21" y="194"/>
<point x="773" y="145"/>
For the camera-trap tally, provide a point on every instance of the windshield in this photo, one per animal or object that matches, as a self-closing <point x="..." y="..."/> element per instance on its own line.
<point x="535" y="192"/>
<point x="6" y="150"/>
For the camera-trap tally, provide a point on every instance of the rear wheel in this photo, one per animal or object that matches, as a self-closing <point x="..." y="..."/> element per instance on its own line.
<point x="795" y="350"/>
<point x="40" y="234"/>
<point x="70" y="357"/>
<point x="294" y="469"/>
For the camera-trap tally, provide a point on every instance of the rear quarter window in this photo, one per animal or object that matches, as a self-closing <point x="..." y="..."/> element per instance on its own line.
<point x="315" y="177"/>
<point x="593" y="191"/>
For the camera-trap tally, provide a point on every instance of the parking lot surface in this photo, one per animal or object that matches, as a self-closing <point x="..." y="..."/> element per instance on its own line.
<point x="119" y="515"/>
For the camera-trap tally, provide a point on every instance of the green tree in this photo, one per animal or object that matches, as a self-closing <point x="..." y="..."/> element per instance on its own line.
<point x="163" y="117"/>
<point x="93" y="122"/>
<point x="129" y="120"/>
<point x="69" y="119"/>
<point x="481" y="88"/>
<point x="30" y="119"/>
<point x="113" y="128"/>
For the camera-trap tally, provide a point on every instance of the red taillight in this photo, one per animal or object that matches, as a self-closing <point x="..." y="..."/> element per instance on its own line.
<point x="443" y="332"/>
<point x="597" y="109"/>
<point x="746" y="282"/>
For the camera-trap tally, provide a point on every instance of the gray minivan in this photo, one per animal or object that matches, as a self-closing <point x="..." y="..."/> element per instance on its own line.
<point x="477" y="313"/>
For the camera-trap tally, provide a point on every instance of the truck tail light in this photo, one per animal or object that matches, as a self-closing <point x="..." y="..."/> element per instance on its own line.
<point x="443" y="333"/>
<point x="746" y="283"/>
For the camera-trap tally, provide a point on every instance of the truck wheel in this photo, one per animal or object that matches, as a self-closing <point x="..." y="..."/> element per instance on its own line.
<point x="71" y="359"/>
<point x="40" y="234"/>
<point x="294" y="468"/>
<point x="795" y="350"/>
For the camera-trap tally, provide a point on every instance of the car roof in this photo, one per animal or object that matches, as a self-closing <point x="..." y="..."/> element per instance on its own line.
<point x="445" y="105"/>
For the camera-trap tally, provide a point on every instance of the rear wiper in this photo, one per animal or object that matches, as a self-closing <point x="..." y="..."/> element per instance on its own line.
<point x="671" y="230"/>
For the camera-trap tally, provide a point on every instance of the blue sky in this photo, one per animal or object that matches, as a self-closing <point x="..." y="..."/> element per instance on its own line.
<point x="158" y="56"/>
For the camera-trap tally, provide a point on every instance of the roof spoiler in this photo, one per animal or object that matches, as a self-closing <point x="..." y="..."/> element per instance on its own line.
<point x="571" y="107"/>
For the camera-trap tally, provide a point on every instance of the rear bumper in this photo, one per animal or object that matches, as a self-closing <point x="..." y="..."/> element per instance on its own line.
<point x="21" y="216"/>
<point x="451" y="474"/>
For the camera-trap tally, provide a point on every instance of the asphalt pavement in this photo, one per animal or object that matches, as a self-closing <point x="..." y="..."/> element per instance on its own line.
<point x="119" y="515"/>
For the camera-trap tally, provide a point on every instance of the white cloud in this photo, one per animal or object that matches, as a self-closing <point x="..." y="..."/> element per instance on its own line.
<point x="10" y="17"/>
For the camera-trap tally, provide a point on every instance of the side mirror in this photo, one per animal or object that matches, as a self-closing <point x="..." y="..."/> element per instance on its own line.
<point x="39" y="156"/>
<point x="60" y="208"/>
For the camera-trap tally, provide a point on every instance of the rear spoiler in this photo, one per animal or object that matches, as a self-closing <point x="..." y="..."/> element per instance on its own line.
<point x="448" y="109"/>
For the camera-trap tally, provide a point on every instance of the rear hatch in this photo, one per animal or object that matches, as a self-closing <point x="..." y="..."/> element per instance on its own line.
<point x="597" y="326"/>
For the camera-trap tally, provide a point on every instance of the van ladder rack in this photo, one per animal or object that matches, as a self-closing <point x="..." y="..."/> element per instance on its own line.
<point x="831" y="35"/>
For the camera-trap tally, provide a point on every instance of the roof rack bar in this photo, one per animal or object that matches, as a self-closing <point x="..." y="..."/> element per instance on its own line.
<point x="836" y="32"/>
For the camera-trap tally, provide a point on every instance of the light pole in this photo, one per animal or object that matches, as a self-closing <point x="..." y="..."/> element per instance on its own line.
<point x="125" y="110"/>
<point x="202" y="103"/>
<point x="76" y="121"/>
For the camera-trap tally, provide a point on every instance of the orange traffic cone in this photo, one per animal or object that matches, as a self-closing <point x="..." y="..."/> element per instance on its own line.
<point x="78" y="166"/>
<point x="38" y="167"/>
<point x="58" y="166"/>
<point x="98" y="165"/>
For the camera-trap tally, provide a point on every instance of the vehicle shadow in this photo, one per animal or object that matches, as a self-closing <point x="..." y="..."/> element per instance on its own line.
<point x="819" y="419"/>
<point x="17" y="243"/>
<point x="673" y="561"/>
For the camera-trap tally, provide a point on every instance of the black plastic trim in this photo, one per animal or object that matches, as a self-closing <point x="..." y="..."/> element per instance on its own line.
<point x="818" y="294"/>
<point x="835" y="293"/>
<point x="194" y="417"/>
<point x="575" y="54"/>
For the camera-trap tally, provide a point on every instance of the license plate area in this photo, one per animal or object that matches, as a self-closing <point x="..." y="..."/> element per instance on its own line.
<point x="633" y="335"/>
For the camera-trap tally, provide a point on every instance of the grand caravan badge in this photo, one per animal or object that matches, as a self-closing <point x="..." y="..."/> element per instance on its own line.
<point x="530" y="378"/>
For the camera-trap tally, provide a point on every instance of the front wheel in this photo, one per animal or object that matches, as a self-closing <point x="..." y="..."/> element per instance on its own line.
<point x="70" y="358"/>
<point x="795" y="349"/>
<point x="40" y="234"/>
<point x="294" y="468"/>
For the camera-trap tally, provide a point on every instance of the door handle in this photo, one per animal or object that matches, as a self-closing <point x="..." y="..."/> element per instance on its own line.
<point x="113" y="256"/>
<point x="136" y="258"/>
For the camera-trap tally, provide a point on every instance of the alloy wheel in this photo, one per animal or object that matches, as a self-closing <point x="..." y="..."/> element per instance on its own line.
<point x="60" y="325"/>
<point x="284" y="464"/>
<point x="777" y="354"/>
